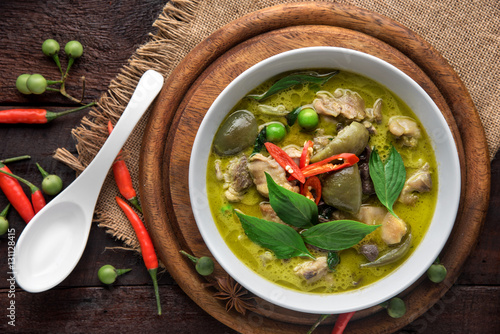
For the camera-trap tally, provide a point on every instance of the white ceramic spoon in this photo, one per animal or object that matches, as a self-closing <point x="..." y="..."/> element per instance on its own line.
<point x="54" y="240"/>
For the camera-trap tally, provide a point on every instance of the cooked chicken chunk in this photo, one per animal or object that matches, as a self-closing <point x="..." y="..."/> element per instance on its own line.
<point x="312" y="270"/>
<point x="393" y="229"/>
<point x="320" y="140"/>
<point x="344" y="102"/>
<point x="370" y="214"/>
<point x="420" y="181"/>
<point x="374" y="114"/>
<point x="236" y="178"/>
<point x="293" y="152"/>
<point x="406" y="129"/>
<point x="259" y="164"/>
<point x="269" y="214"/>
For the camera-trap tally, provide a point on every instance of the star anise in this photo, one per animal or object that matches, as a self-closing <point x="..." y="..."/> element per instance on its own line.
<point x="234" y="295"/>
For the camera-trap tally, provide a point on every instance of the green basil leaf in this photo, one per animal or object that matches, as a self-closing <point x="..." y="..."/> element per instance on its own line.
<point x="292" y="116"/>
<point x="281" y="239"/>
<point x="389" y="178"/>
<point x="295" y="79"/>
<point x="294" y="209"/>
<point x="259" y="141"/>
<point x="337" y="235"/>
<point x="332" y="260"/>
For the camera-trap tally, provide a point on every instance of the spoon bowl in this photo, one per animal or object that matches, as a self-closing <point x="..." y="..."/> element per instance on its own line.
<point x="53" y="242"/>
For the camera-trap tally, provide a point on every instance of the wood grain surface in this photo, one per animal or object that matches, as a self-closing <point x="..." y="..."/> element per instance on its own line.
<point x="110" y="32"/>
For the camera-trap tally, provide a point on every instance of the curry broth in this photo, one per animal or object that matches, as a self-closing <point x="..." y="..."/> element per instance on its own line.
<point x="347" y="275"/>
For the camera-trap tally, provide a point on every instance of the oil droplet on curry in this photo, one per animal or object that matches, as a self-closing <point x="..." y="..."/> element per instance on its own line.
<point x="344" y="102"/>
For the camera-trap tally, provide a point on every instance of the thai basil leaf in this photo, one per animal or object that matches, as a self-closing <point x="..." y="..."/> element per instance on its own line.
<point x="337" y="235"/>
<point x="259" y="141"/>
<point x="332" y="260"/>
<point x="295" y="79"/>
<point x="294" y="209"/>
<point x="281" y="239"/>
<point x="389" y="178"/>
<point x="292" y="116"/>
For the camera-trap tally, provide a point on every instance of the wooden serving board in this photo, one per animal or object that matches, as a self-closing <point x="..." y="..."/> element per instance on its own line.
<point x="214" y="63"/>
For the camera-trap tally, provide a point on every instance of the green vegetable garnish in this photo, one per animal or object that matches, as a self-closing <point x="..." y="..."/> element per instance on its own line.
<point x="332" y="260"/>
<point x="292" y="208"/>
<point x="337" y="235"/>
<point x="292" y="117"/>
<point x="295" y="79"/>
<point x="388" y="178"/>
<point x="301" y="212"/>
<point x="259" y="141"/>
<point x="281" y="239"/>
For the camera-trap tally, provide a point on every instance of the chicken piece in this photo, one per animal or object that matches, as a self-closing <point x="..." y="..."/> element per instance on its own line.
<point x="313" y="270"/>
<point x="370" y="214"/>
<point x="420" y="181"/>
<point x="259" y="164"/>
<point x="218" y="171"/>
<point x="320" y="140"/>
<point x="406" y="129"/>
<point x="393" y="229"/>
<point x="374" y="114"/>
<point x="269" y="214"/>
<point x="293" y="152"/>
<point x="237" y="178"/>
<point x="344" y="102"/>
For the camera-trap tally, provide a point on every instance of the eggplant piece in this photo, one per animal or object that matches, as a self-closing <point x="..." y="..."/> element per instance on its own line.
<point x="351" y="139"/>
<point x="238" y="132"/>
<point x="342" y="189"/>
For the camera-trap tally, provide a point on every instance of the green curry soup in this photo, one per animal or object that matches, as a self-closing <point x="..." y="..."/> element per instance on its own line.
<point x="348" y="274"/>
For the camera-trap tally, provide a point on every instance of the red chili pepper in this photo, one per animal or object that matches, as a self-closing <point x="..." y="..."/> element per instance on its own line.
<point x="341" y="323"/>
<point x="324" y="166"/>
<point x="123" y="178"/>
<point x="305" y="157"/>
<point x="15" y="194"/>
<point x="147" y="248"/>
<point x="285" y="161"/>
<point x="36" y="194"/>
<point x="34" y="116"/>
<point x="313" y="183"/>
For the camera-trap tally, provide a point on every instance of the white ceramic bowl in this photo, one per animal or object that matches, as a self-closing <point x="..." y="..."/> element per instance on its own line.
<point x="429" y="115"/>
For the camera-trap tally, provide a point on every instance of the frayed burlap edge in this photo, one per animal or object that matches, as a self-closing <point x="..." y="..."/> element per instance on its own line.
<point x="157" y="54"/>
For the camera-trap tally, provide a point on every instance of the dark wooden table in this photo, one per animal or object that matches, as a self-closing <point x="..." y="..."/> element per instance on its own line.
<point x="110" y="32"/>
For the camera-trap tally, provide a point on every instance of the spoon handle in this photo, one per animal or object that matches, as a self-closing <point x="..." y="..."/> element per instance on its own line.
<point x="93" y="176"/>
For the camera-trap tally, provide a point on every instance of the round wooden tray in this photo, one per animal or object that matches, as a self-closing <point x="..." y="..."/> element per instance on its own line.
<point x="214" y="63"/>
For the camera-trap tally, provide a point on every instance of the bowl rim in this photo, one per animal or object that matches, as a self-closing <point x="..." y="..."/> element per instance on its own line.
<point x="391" y="285"/>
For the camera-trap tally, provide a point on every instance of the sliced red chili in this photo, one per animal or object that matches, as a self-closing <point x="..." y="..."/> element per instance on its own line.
<point x="312" y="189"/>
<point x="329" y="165"/>
<point x="285" y="161"/>
<point x="305" y="157"/>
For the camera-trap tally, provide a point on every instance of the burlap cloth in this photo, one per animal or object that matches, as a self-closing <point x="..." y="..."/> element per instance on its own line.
<point x="465" y="32"/>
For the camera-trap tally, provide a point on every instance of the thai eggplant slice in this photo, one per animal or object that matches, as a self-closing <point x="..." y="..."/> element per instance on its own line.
<point x="342" y="189"/>
<point x="351" y="139"/>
